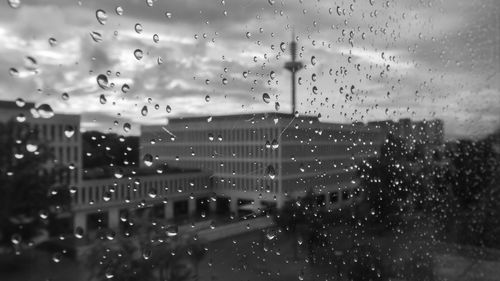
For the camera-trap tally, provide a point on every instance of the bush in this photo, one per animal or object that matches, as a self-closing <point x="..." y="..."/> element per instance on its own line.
<point x="367" y="265"/>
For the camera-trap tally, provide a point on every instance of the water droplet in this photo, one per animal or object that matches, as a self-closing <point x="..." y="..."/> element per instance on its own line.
<point x="31" y="147"/>
<point x="64" y="96"/>
<point x="43" y="214"/>
<point x="149" y="3"/>
<point x="102" y="99"/>
<point x="125" y="88"/>
<point x="56" y="257"/>
<point x="270" y="172"/>
<point x="138" y="54"/>
<point x="119" y="10"/>
<point x="127" y="127"/>
<point x="248" y="35"/>
<point x="101" y="16"/>
<point x="16" y="239"/>
<point x="13" y="72"/>
<point x="144" y="111"/>
<point x="20" y="102"/>
<point x="275" y="144"/>
<point x="148" y="159"/>
<point x="315" y="90"/>
<point x="207" y="98"/>
<point x="102" y="81"/>
<point x="52" y="41"/>
<point x="277" y="106"/>
<point x="169" y="109"/>
<point x="210" y="137"/>
<point x="45" y="111"/>
<point x="224" y="81"/>
<point x="172" y="230"/>
<point x="283" y="46"/>
<point x="266" y="98"/>
<point x="272" y="74"/>
<point x="146" y="253"/>
<point x="96" y="36"/>
<point x="69" y="131"/>
<point x="271" y="2"/>
<point x="313" y="60"/>
<point x="106" y="196"/>
<point x="30" y="63"/>
<point x="118" y="173"/>
<point x="156" y="38"/>
<point x="138" y="28"/>
<point x="20" y="118"/>
<point x="109" y="274"/>
<point x="79" y="232"/>
<point x="168" y="14"/>
<point x="14" y="4"/>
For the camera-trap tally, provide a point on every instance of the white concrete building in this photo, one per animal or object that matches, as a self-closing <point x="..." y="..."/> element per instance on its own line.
<point x="262" y="159"/>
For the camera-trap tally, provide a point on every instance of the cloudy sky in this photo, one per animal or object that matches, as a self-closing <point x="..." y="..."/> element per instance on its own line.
<point x="364" y="59"/>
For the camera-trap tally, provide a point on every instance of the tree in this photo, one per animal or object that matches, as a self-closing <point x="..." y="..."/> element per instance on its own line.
<point x="302" y="218"/>
<point x="27" y="191"/>
<point x="367" y="265"/>
<point x="150" y="252"/>
<point x="387" y="180"/>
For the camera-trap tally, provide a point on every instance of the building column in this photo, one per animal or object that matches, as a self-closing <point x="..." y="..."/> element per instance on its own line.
<point x="233" y="206"/>
<point x="114" y="218"/>
<point x="191" y="206"/>
<point x="169" y="210"/>
<point x="80" y="221"/>
<point x="212" y="206"/>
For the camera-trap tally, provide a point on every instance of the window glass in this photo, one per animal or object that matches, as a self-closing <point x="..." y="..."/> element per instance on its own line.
<point x="250" y="140"/>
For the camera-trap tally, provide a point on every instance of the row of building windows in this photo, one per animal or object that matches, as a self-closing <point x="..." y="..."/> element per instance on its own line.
<point x="56" y="132"/>
<point x="248" y="185"/>
<point x="137" y="190"/>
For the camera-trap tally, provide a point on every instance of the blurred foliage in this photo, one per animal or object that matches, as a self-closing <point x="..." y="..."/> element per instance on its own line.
<point x="148" y="252"/>
<point x="29" y="195"/>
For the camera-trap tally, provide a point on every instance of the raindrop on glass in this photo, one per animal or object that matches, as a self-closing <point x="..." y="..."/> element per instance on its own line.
<point x="14" y="4"/>
<point x="125" y="88"/>
<point x="138" y="28"/>
<point x="45" y="111"/>
<point x="266" y="98"/>
<point x="52" y="41"/>
<point x="102" y="99"/>
<point x="101" y="16"/>
<point x="96" y="36"/>
<point x="144" y="111"/>
<point x="148" y="159"/>
<point x="138" y="54"/>
<point x="127" y="127"/>
<point x="69" y="131"/>
<point x="102" y="81"/>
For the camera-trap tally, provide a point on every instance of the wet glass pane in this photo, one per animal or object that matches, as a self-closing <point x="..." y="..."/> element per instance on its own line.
<point x="249" y="140"/>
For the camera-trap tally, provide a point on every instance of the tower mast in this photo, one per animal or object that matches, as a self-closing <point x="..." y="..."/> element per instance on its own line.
<point x="293" y="66"/>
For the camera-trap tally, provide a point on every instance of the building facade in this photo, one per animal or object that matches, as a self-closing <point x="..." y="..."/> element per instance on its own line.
<point x="61" y="132"/>
<point x="259" y="161"/>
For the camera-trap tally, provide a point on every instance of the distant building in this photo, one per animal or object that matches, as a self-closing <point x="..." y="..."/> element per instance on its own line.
<point x="101" y="202"/>
<point x="61" y="132"/>
<point x="260" y="160"/>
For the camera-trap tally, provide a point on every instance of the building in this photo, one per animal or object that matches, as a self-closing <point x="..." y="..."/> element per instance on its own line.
<point x="259" y="161"/>
<point x="61" y="132"/>
<point x="101" y="202"/>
